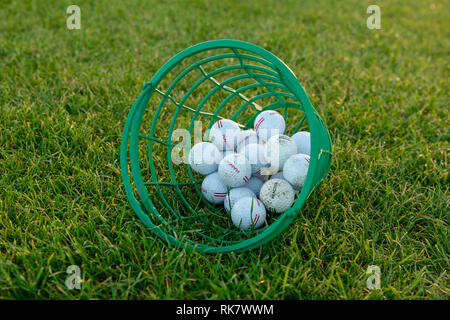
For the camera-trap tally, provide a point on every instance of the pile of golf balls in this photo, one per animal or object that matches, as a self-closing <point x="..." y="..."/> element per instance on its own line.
<point x="237" y="164"/>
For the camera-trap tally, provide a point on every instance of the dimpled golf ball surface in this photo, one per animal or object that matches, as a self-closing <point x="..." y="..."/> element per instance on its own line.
<point x="236" y="194"/>
<point x="246" y="137"/>
<point x="295" y="170"/>
<point x="224" y="134"/>
<point x="235" y="170"/>
<point x="213" y="189"/>
<point x="254" y="184"/>
<point x="278" y="149"/>
<point x="248" y="213"/>
<point x="303" y="141"/>
<point x="254" y="153"/>
<point x="204" y="158"/>
<point x="269" y="123"/>
<point x="277" y="195"/>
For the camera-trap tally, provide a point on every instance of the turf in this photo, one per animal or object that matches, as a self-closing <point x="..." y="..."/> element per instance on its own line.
<point x="64" y="97"/>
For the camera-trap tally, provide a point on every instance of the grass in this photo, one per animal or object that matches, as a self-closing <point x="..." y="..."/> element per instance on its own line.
<point x="64" y="97"/>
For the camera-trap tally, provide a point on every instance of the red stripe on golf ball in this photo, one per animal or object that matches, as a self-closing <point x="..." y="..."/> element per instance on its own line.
<point x="233" y="167"/>
<point x="259" y="123"/>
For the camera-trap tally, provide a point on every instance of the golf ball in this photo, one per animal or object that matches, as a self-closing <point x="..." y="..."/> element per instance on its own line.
<point x="303" y="141"/>
<point x="248" y="213"/>
<point x="213" y="189"/>
<point x="204" y="158"/>
<point x="277" y="195"/>
<point x="236" y="194"/>
<point x="278" y="149"/>
<point x="224" y="134"/>
<point x="269" y="123"/>
<point x="295" y="169"/>
<point x="235" y="170"/>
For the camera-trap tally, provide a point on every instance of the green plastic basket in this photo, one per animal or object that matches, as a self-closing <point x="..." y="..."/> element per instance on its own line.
<point x="209" y="81"/>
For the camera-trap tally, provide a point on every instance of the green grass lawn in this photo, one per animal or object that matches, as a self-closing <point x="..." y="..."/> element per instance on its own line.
<point x="384" y="94"/>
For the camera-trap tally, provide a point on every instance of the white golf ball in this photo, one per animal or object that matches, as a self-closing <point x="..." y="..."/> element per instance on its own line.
<point x="269" y="123"/>
<point x="213" y="189"/>
<point x="246" y="137"/>
<point x="235" y="170"/>
<point x="254" y="184"/>
<point x="224" y="134"/>
<point x="204" y="158"/>
<point x="296" y="169"/>
<point x="236" y="194"/>
<point x="277" y="195"/>
<point x="303" y="141"/>
<point x="278" y="149"/>
<point x="255" y="155"/>
<point x="248" y="213"/>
